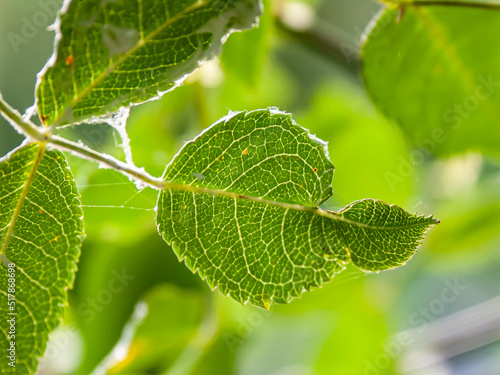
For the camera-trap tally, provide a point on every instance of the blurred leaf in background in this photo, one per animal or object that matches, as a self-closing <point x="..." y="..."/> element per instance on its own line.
<point x="444" y="80"/>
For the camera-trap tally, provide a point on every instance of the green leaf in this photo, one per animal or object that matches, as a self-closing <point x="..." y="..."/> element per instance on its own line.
<point x="436" y="78"/>
<point x="41" y="233"/>
<point x="242" y="212"/>
<point x="117" y="53"/>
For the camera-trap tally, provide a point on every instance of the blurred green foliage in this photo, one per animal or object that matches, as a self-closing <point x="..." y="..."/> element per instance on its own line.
<point x="444" y="83"/>
<point x="351" y="325"/>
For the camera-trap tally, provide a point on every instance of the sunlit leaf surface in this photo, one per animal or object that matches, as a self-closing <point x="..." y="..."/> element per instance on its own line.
<point x="249" y="223"/>
<point x="114" y="53"/>
<point x="41" y="231"/>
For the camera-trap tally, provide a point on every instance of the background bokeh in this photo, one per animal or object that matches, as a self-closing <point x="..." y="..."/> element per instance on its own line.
<point x="136" y="310"/>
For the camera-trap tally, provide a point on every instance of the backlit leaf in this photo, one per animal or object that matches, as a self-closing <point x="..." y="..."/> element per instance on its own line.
<point x="116" y="53"/>
<point x="248" y="220"/>
<point x="41" y="231"/>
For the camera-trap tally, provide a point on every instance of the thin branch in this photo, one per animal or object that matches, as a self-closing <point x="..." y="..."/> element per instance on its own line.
<point x="38" y="134"/>
<point x="23" y="127"/>
<point x="84" y="152"/>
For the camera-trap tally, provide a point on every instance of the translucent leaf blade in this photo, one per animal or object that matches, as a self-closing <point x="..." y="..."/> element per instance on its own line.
<point x="380" y="236"/>
<point x="117" y="53"/>
<point x="246" y="218"/>
<point x="241" y="154"/>
<point x="39" y="200"/>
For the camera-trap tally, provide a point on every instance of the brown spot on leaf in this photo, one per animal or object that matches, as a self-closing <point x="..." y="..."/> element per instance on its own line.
<point x="70" y="60"/>
<point x="245" y="152"/>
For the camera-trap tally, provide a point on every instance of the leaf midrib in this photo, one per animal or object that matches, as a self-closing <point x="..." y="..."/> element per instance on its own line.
<point x="22" y="197"/>
<point x="337" y="216"/>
